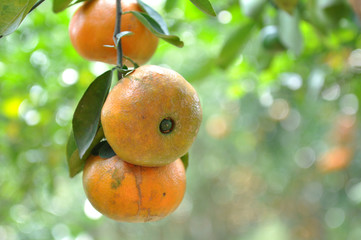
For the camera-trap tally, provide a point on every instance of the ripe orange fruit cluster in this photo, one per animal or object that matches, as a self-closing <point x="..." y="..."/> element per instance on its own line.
<point x="150" y="120"/>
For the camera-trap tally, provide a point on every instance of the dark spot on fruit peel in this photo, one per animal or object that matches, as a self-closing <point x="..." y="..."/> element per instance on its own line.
<point x="117" y="179"/>
<point x="166" y="125"/>
<point x="164" y="194"/>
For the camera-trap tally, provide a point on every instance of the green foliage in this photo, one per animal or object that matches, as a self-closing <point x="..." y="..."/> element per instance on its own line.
<point x="86" y="118"/>
<point x="60" y="5"/>
<point x="235" y="44"/>
<point x="287" y="5"/>
<point x="205" y="6"/>
<point x="12" y="14"/>
<point x="185" y="160"/>
<point x="268" y="119"/>
<point x="157" y="29"/>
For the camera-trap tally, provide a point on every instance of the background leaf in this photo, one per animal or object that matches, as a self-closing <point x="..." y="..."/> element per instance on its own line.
<point x="234" y="45"/>
<point x="12" y="14"/>
<point x="87" y="114"/>
<point x="170" y="5"/>
<point x="185" y="160"/>
<point x="60" y="5"/>
<point x="205" y="6"/>
<point x="287" y="5"/>
<point x="156" y="29"/>
<point x="290" y="32"/>
<point x="252" y="8"/>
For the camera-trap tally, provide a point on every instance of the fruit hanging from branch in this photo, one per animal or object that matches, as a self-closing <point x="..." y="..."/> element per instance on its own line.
<point x="91" y="32"/>
<point x="152" y="116"/>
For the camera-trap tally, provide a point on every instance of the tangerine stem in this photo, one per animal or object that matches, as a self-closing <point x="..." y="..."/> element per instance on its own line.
<point x="116" y="32"/>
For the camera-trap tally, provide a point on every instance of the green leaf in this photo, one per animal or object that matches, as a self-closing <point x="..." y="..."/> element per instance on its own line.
<point x="156" y="17"/>
<point x="105" y="150"/>
<point x="156" y="29"/>
<point x="205" y="6"/>
<point x="328" y="3"/>
<point x="289" y="31"/>
<point x="252" y="8"/>
<point x="287" y="5"/>
<point x="123" y="34"/>
<point x="170" y="5"/>
<point x="234" y="45"/>
<point x="60" y="5"/>
<point x="71" y="146"/>
<point x="12" y="14"/>
<point x="185" y="160"/>
<point x="75" y="163"/>
<point x="87" y="114"/>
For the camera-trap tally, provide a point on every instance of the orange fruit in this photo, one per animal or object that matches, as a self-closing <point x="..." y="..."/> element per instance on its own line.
<point x="344" y="129"/>
<point x="151" y="117"/>
<point x="92" y="27"/>
<point x="336" y="159"/>
<point x="130" y="193"/>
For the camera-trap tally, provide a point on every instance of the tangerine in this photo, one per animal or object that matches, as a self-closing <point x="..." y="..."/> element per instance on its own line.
<point x="92" y="27"/>
<point x="151" y="117"/>
<point x="130" y="193"/>
<point x="336" y="159"/>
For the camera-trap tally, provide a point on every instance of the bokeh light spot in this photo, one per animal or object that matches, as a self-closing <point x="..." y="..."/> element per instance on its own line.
<point x="69" y="76"/>
<point x="279" y="109"/>
<point x="90" y="211"/>
<point x="334" y="217"/>
<point x="224" y="17"/>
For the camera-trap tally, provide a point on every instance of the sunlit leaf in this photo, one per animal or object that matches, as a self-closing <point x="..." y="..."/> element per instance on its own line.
<point x="290" y="32"/>
<point x="123" y="34"/>
<point x="234" y="44"/>
<point x="287" y="5"/>
<point x="252" y="8"/>
<point x="185" y="160"/>
<point x="205" y="6"/>
<point x="156" y="29"/>
<point x="87" y="114"/>
<point x="75" y="163"/>
<point x="153" y="14"/>
<point x="60" y="5"/>
<point x="328" y="3"/>
<point x="71" y="146"/>
<point x="170" y="5"/>
<point x="12" y="14"/>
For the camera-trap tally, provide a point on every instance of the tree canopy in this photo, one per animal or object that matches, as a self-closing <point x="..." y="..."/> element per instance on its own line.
<point x="277" y="154"/>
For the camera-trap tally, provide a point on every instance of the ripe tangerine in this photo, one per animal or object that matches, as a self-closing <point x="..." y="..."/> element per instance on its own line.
<point x="92" y="27"/>
<point x="130" y="193"/>
<point x="151" y="117"/>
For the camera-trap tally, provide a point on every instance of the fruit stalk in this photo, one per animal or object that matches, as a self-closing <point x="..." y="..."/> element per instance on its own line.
<point x="118" y="44"/>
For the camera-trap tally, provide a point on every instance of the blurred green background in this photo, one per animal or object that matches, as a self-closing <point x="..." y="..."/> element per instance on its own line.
<point x="277" y="155"/>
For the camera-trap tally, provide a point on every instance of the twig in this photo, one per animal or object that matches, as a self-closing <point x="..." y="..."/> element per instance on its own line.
<point x="116" y="32"/>
<point x="36" y="5"/>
